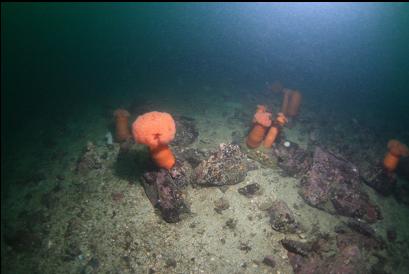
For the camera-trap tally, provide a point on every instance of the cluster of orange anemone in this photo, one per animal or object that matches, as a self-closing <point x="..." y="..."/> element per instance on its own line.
<point x="261" y="123"/>
<point x="395" y="150"/>
<point x="157" y="129"/>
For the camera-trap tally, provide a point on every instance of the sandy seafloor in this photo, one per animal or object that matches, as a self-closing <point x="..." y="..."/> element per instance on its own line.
<point x="76" y="223"/>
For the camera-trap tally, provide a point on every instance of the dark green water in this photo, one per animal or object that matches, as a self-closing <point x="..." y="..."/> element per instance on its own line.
<point x="59" y="60"/>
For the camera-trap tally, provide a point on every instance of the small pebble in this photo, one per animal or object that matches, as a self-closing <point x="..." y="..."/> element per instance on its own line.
<point x="269" y="260"/>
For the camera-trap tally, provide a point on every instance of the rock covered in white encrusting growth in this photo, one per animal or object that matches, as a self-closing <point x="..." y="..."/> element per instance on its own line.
<point x="226" y="166"/>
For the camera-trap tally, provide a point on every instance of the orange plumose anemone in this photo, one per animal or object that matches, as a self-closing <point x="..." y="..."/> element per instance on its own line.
<point x="156" y="130"/>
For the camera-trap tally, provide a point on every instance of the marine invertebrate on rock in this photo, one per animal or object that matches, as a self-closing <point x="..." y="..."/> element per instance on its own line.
<point x="271" y="137"/>
<point x="261" y="120"/>
<point x="156" y="130"/>
<point x="395" y="150"/>
<point x="294" y="103"/>
<point x="122" y="132"/>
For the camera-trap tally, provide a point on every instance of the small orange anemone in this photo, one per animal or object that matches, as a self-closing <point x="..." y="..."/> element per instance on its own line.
<point x="122" y="132"/>
<point x="395" y="150"/>
<point x="156" y="130"/>
<point x="261" y="120"/>
<point x="272" y="134"/>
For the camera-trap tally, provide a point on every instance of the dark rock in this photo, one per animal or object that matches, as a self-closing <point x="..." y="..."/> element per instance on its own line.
<point x="355" y="204"/>
<point x="327" y="170"/>
<point x="164" y="192"/>
<point x="60" y="177"/>
<point x="49" y="200"/>
<point x="281" y="218"/>
<point x="117" y="197"/>
<point x="304" y="265"/>
<point x="31" y="179"/>
<point x="23" y="240"/>
<point x="94" y="263"/>
<point x="269" y="260"/>
<point x="361" y="227"/>
<point x="347" y="260"/>
<point x="363" y="242"/>
<point x="402" y="194"/>
<point x="391" y="234"/>
<point x="231" y="224"/>
<point x="403" y="168"/>
<point x="226" y="166"/>
<point x="186" y="132"/>
<point x="250" y="190"/>
<point x="300" y="248"/>
<point x="333" y="185"/>
<point x="293" y="160"/>
<point x="221" y="204"/>
<point x="382" y="181"/>
<point x="245" y="247"/>
<point x="170" y="262"/>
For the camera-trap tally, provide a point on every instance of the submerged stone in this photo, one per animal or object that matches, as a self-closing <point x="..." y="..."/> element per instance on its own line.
<point x="226" y="166"/>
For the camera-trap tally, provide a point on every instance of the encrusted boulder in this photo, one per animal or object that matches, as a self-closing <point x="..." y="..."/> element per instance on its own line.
<point x="226" y="166"/>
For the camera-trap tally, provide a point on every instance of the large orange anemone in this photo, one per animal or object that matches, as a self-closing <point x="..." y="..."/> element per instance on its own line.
<point x="261" y="121"/>
<point x="122" y="132"/>
<point x="395" y="150"/>
<point x="156" y="130"/>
